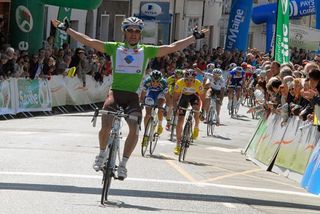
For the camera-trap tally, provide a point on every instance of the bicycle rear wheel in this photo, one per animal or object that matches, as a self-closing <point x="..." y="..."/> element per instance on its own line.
<point x="146" y="137"/>
<point x="107" y="177"/>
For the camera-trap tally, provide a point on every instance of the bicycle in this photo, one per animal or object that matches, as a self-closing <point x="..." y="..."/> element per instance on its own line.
<point x="150" y="136"/>
<point x="187" y="133"/>
<point x="211" y="117"/>
<point x="110" y="167"/>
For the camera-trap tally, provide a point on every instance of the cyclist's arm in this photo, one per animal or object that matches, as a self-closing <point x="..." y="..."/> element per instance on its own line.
<point x="178" y="45"/>
<point x="84" y="39"/>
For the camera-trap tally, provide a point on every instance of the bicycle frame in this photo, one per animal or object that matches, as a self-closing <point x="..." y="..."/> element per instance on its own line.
<point x="110" y="166"/>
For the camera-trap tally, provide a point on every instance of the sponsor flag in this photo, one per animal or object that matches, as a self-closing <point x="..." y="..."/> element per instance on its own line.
<point x="238" y="27"/>
<point x="281" y="47"/>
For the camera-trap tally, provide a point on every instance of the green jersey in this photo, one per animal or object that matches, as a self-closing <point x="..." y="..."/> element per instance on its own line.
<point x="128" y="64"/>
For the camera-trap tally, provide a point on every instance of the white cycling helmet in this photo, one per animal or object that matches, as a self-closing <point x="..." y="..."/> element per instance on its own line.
<point x="132" y="21"/>
<point x="217" y="71"/>
<point x="211" y="66"/>
<point x="232" y="66"/>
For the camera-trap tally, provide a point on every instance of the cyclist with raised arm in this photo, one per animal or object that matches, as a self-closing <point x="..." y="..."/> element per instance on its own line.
<point x="129" y="62"/>
<point x="188" y="90"/>
<point x="216" y="86"/>
<point x="235" y="82"/>
<point x="155" y="90"/>
<point x="178" y="74"/>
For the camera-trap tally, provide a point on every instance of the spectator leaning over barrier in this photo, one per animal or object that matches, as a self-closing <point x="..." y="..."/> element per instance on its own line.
<point x="130" y="61"/>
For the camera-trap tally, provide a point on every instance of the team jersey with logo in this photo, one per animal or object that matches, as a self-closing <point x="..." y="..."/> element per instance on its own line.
<point x="149" y="85"/>
<point x="129" y="65"/>
<point x="215" y="84"/>
<point x="236" y="80"/>
<point x="188" y="88"/>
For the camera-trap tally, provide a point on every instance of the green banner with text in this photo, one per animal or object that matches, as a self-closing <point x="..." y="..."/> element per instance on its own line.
<point x="281" y="50"/>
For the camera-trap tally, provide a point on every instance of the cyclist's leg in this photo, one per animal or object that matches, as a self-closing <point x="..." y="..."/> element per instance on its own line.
<point x="147" y="116"/>
<point x="230" y="94"/>
<point x="238" y="95"/>
<point x="184" y="102"/>
<point x="219" y="95"/>
<point x="160" y="102"/>
<point x="106" y="121"/>
<point x="130" y="103"/>
<point x="207" y="99"/>
<point x="196" y="104"/>
<point x="169" y="108"/>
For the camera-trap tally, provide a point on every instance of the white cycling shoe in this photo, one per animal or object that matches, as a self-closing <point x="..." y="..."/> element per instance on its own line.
<point x="100" y="161"/>
<point x="122" y="172"/>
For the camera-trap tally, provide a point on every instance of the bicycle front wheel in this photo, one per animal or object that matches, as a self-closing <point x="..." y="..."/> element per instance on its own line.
<point x="211" y="122"/>
<point x="146" y="137"/>
<point x="153" y="143"/>
<point x="185" y="142"/>
<point x="107" y="176"/>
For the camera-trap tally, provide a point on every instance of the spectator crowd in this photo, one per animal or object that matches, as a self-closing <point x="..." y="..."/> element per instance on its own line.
<point x="288" y="89"/>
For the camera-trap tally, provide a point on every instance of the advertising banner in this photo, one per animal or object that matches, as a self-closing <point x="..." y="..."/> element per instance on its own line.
<point x="290" y="143"/>
<point x="58" y="90"/>
<point x="265" y="137"/>
<point x="281" y="48"/>
<point x="61" y="36"/>
<point x="269" y="149"/>
<point x="77" y="93"/>
<point x="305" y="38"/>
<point x="33" y="95"/>
<point x="311" y="176"/>
<point x="261" y="129"/>
<point x="158" y="11"/>
<point x="27" y="21"/>
<point x="7" y="97"/>
<point x="98" y="91"/>
<point x="238" y="27"/>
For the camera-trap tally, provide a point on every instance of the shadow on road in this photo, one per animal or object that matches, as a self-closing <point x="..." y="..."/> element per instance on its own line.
<point x="160" y="157"/>
<point x="155" y="194"/>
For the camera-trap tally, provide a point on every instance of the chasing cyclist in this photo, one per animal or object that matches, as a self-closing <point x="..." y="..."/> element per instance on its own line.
<point x="216" y="87"/>
<point x="187" y="90"/>
<point x="235" y="82"/>
<point x="129" y="62"/>
<point x="155" y="90"/>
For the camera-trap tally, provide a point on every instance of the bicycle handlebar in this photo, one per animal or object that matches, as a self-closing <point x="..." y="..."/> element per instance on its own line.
<point x="118" y="114"/>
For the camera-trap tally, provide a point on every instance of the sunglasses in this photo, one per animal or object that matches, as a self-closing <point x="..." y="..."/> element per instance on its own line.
<point x="130" y="30"/>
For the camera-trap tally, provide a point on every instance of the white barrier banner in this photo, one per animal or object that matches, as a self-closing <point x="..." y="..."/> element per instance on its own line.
<point x="7" y="95"/>
<point x="33" y="95"/>
<point x="303" y="37"/>
<point x="58" y="90"/>
<point x="77" y="92"/>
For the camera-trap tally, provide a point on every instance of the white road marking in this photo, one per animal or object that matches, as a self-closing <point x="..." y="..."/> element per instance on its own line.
<point x="220" y="149"/>
<point x="229" y="205"/>
<point x="198" y="184"/>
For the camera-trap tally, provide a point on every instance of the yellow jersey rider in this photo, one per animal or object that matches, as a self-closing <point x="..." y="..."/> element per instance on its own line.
<point x="189" y="90"/>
